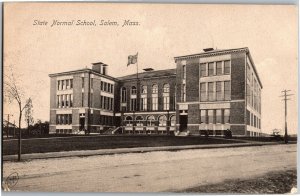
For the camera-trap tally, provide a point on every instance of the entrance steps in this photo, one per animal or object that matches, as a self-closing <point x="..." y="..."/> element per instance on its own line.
<point x="182" y="133"/>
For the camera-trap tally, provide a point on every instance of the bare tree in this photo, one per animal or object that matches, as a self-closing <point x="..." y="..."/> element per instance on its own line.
<point x="29" y="114"/>
<point x="13" y="92"/>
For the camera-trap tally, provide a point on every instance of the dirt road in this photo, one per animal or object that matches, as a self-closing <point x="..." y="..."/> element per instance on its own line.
<point x="150" y="172"/>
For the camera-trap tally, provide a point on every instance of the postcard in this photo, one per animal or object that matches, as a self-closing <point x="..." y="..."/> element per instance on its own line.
<point x="149" y="97"/>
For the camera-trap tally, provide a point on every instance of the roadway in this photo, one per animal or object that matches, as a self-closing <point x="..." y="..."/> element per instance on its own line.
<point x="161" y="171"/>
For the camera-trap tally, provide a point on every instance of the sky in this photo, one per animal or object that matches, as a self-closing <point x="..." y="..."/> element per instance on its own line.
<point x="163" y="32"/>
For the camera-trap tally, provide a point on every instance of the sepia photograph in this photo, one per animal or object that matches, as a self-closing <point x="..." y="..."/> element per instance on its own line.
<point x="149" y="97"/>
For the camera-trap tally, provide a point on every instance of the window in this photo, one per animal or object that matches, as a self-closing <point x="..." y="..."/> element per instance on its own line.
<point x="166" y="88"/>
<point x="203" y="70"/>
<point x="166" y="102"/>
<point x="57" y="119"/>
<point x="62" y="85"/>
<point x="183" y="96"/>
<point x="227" y="90"/>
<point x="62" y="101"/>
<point x="112" y="88"/>
<point x="128" y="121"/>
<point x="67" y="100"/>
<point x="219" y="91"/>
<point x="219" y="116"/>
<point x="226" y="67"/>
<point x="71" y="83"/>
<point x="219" y="68"/>
<point x="203" y="119"/>
<point x="183" y="71"/>
<point x="154" y="88"/>
<point x="150" y="121"/>
<point x="203" y="96"/>
<point x="102" y="86"/>
<point x="71" y="100"/>
<point x="144" y="103"/>
<point x="144" y="89"/>
<point x="133" y="90"/>
<point x="154" y="97"/>
<point x="82" y="99"/>
<point x="210" y="116"/>
<point x="154" y="102"/>
<point x="211" y="91"/>
<point x="133" y="104"/>
<point x="173" y="120"/>
<point x="162" y="121"/>
<point x="248" y="72"/>
<point x="210" y="69"/>
<point x="58" y="101"/>
<point x="105" y="86"/>
<point x="248" y="94"/>
<point x="166" y="97"/>
<point x="139" y="121"/>
<point x="82" y="82"/>
<point x="226" y="116"/>
<point x="67" y="84"/>
<point x="123" y="95"/>
<point x="58" y="84"/>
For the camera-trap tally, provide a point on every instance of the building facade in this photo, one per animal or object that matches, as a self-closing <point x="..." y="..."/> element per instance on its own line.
<point x="209" y="92"/>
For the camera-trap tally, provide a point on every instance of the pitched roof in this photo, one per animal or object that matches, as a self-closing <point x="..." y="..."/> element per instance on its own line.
<point x="150" y="74"/>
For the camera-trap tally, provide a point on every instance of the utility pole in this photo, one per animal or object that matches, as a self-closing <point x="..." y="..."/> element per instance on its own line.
<point x="8" y="115"/>
<point x="285" y="99"/>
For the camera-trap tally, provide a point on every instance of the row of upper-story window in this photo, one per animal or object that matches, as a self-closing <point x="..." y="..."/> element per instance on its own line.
<point x="254" y="98"/>
<point x="107" y="87"/>
<point x="104" y="86"/>
<point x="215" y="68"/>
<point x="215" y="91"/>
<point x="64" y="84"/>
<point x="253" y="120"/>
<point x="64" y="101"/>
<point x="106" y="103"/>
<point x="133" y="90"/>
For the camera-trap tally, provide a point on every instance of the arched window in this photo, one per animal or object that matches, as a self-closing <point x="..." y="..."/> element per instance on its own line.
<point x="139" y="121"/>
<point x="144" y="89"/>
<point x="150" y="121"/>
<point x="154" y="97"/>
<point x="128" y="121"/>
<point x="133" y="90"/>
<point x="143" y="99"/>
<point x="166" y="97"/>
<point x="154" y="89"/>
<point x="173" y="120"/>
<point x="123" y="95"/>
<point x="166" y="88"/>
<point x="162" y="120"/>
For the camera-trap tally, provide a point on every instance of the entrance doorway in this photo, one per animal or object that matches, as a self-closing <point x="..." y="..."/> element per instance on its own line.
<point x="183" y="120"/>
<point x="82" y="121"/>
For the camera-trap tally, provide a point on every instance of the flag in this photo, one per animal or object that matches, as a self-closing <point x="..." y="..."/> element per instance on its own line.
<point x="132" y="59"/>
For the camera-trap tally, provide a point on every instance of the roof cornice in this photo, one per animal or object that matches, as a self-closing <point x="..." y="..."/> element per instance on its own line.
<point x="211" y="53"/>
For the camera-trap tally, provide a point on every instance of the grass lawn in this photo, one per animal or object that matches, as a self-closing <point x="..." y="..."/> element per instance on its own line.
<point x="279" y="182"/>
<point x="10" y="147"/>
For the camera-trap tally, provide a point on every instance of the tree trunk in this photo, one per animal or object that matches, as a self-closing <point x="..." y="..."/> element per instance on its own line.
<point x="20" y="136"/>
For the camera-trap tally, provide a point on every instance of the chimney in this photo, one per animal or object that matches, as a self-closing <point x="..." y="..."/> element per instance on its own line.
<point x="100" y="68"/>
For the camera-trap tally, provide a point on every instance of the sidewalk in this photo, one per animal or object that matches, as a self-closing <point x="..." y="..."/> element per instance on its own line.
<point x="128" y="150"/>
